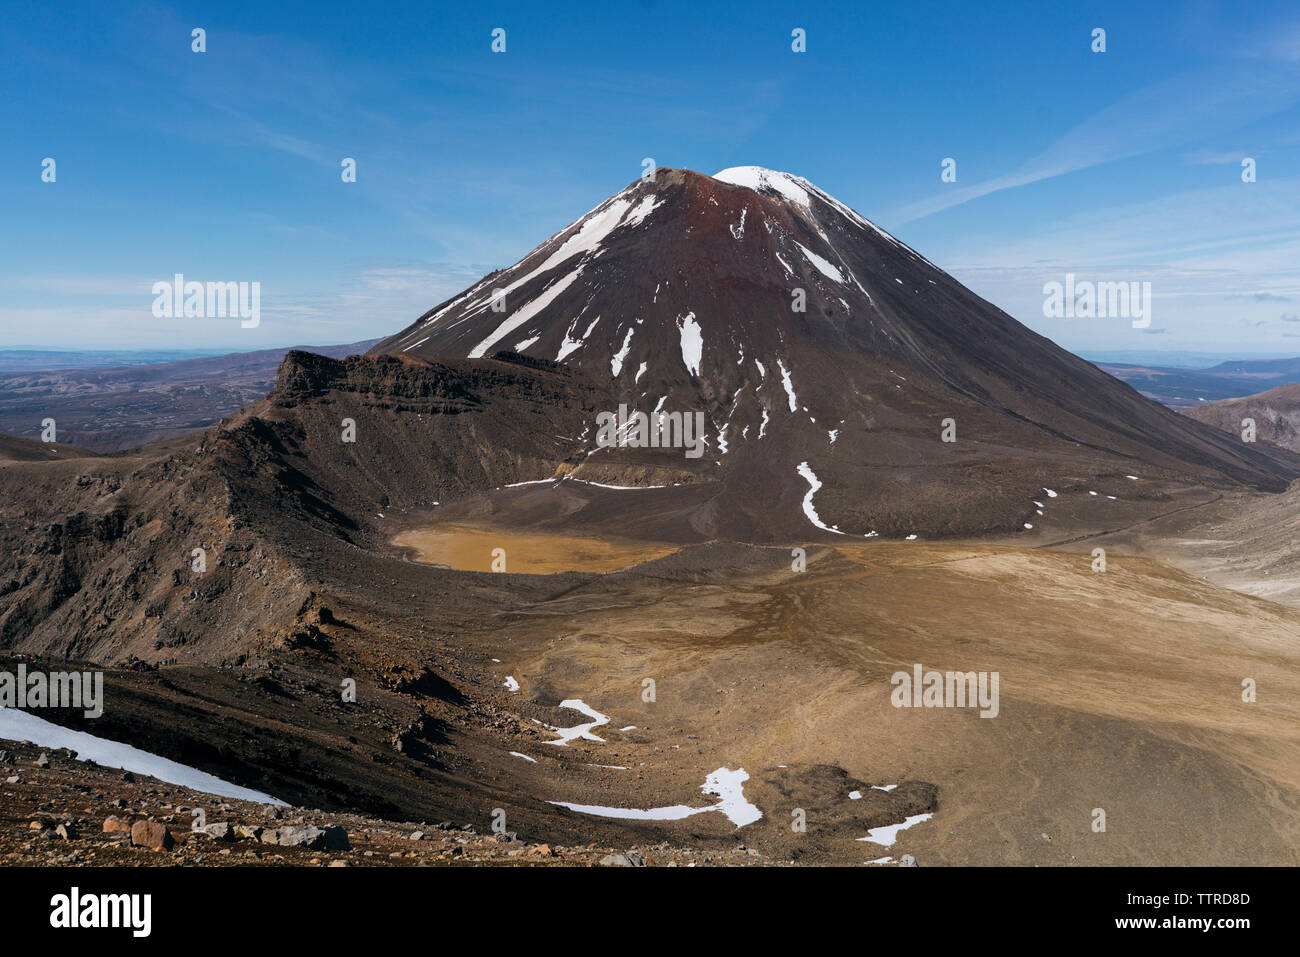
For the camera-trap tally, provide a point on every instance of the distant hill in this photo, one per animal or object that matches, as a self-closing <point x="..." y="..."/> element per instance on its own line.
<point x="112" y="409"/>
<point x="1182" y="388"/>
<point x="14" y="361"/>
<point x="16" y="449"/>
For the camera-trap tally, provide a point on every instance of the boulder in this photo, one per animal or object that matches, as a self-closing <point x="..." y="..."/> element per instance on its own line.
<point x="312" y="838"/>
<point x="219" y="831"/>
<point x="152" y="835"/>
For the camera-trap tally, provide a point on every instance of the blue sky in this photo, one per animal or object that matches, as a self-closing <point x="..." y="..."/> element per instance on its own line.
<point x="225" y="165"/>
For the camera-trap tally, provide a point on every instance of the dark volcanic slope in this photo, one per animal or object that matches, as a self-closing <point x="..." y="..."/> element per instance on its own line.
<point x="679" y="294"/>
<point x="1276" y="414"/>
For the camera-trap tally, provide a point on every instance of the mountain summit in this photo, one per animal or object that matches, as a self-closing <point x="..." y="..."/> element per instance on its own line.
<point x="830" y="361"/>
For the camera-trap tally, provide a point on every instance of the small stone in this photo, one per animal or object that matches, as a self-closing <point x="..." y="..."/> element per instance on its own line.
<point x="66" y="831"/>
<point x="615" y="860"/>
<point x="13" y="780"/>
<point x="907" y="861"/>
<point x="417" y="836"/>
<point x="43" y="761"/>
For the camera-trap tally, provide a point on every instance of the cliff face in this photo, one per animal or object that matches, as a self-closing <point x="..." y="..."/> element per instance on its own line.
<point x="1276" y="414"/>
<point x="99" y="554"/>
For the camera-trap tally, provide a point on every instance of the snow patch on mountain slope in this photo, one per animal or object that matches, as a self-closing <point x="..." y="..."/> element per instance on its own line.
<point x="616" y="363"/>
<point x="596" y="226"/>
<point x="447" y="308"/>
<point x="593" y="232"/>
<point x="887" y="834"/>
<point x="789" y="386"/>
<point x="642" y="209"/>
<point x="580" y="730"/>
<point x="814" y="484"/>
<point x="738" y="231"/>
<point x="19" y="725"/>
<point x="798" y="190"/>
<point x="570" y="344"/>
<point x="692" y="342"/>
<point x="757" y="178"/>
<point x="522" y="316"/>
<point x="567" y="346"/>
<point x="725" y="783"/>
<point x="823" y="266"/>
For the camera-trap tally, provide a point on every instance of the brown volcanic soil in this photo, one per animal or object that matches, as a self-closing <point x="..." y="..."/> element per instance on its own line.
<point x="1249" y="543"/>
<point x="1119" y="691"/>
<point x="471" y="549"/>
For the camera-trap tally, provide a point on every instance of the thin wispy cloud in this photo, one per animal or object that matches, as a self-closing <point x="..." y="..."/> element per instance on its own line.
<point x="1170" y="114"/>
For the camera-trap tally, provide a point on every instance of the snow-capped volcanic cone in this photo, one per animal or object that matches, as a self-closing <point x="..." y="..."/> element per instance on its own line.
<point x="825" y="356"/>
